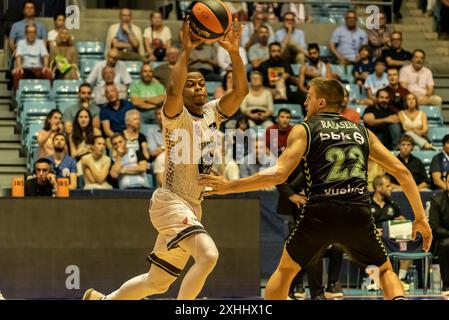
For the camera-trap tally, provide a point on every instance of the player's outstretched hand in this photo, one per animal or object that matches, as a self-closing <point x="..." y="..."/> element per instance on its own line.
<point x="422" y="226"/>
<point x="189" y="40"/>
<point x="231" y="41"/>
<point x="218" y="184"/>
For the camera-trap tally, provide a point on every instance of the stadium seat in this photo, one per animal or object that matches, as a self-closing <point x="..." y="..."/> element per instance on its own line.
<point x="211" y="86"/>
<point x="35" y="110"/>
<point x="63" y="105"/>
<point x="64" y="90"/>
<point x="30" y="132"/>
<point x="90" y="49"/>
<point x="339" y="70"/>
<point x="296" y="67"/>
<point x="295" y="109"/>
<point x="354" y="92"/>
<point x="436" y="135"/>
<point x="86" y="66"/>
<point x="434" y="116"/>
<point x="133" y="68"/>
<point x="349" y="75"/>
<point x="325" y="52"/>
<point x="33" y="90"/>
<point x="155" y="64"/>
<point x="426" y="157"/>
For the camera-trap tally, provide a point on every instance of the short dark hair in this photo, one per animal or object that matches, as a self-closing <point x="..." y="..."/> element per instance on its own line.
<point x="85" y="84"/>
<point x="27" y="2"/>
<point x="56" y="16"/>
<point x="274" y="43"/>
<point x="62" y="135"/>
<point x="284" y="110"/>
<point x="446" y="139"/>
<point x="380" y="90"/>
<point x="98" y="137"/>
<point x="286" y="13"/>
<point x="380" y="60"/>
<point x="392" y="68"/>
<point x="264" y="26"/>
<point x="419" y="50"/>
<point x="313" y="45"/>
<point x="43" y="160"/>
<point x="48" y="117"/>
<point x="116" y="135"/>
<point x="406" y="138"/>
<point x="367" y="48"/>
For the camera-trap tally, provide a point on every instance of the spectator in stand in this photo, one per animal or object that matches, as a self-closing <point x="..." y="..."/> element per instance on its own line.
<point x="272" y="11"/>
<point x="419" y="80"/>
<point x="259" y="52"/>
<point x="121" y="73"/>
<point x="126" y="37"/>
<point x="348" y="113"/>
<point x="414" y="122"/>
<point x="376" y="80"/>
<point x="44" y="182"/>
<point x="18" y="29"/>
<point x="293" y="40"/>
<point x="224" y="165"/>
<point x="396" y="56"/>
<point x="147" y="93"/>
<point x="413" y="164"/>
<point x="157" y="38"/>
<point x="278" y="76"/>
<point x="96" y="166"/>
<point x="383" y="122"/>
<point x="258" y="159"/>
<point x="64" y="57"/>
<point x="112" y="115"/>
<point x="277" y="143"/>
<point x="302" y="11"/>
<point x="32" y="61"/>
<point x="134" y="138"/>
<point x="53" y="125"/>
<point x="130" y="166"/>
<point x="242" y="137"/>
<point x="238" y="10"/>
<point x="163" y="71"/>
<point x="99" y="93"/>
<point x="379" y="38"/>
<point x="396" y="91"/>
<point x="444" y="23"/>
<point x="258" y="104"/>
<point x="226" y="85"/>
<point x="63" y="164"/>
<point x="346" y="40"/>
<point x="59" y="22"/>
<point x="204" y="58"/>
<point x="81" y="139"/>
<point x="224" y="59"/>
<point x="156" y="148"/>
<point x="364" y="67"/>
<point x="250" y="30"/>
<point x="439" y="222"/>
<point x="439" y="167"/>
<point x="85" y="102"/>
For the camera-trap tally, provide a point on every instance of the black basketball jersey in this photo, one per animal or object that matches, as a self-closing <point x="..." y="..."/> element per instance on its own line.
<point x="336" y="160"/>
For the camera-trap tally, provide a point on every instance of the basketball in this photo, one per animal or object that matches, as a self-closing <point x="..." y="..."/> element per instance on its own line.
<point x="210" y="19"/>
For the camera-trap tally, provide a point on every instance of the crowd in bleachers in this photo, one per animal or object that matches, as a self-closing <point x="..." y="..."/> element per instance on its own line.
<point x="114" y="89"/>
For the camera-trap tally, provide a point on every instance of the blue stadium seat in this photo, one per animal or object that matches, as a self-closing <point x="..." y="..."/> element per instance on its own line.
<point x="325" y="52"/>
<point x="295" y="109"/>
<point x="425" y="156"/>
<point x="211" y="86"/>
<point x="436" y="135"/>
<point x="86" y="66"/>
<point x="296" y="67"/>
<point x="434" y="116"/>
<point x="33" y="90"/>
<point x="66" y="89"/>
<point x="339" y="70"/>
<point x="90" y="49"/>
<point x="35" y="110"/>
<point x="63" y="105"/>
<point x="30" y="133"/>
<point x="349" y="75"/>
<point x="155" y="64"/>
<point x="354" y="91"/>
<point x="133" y="68"/>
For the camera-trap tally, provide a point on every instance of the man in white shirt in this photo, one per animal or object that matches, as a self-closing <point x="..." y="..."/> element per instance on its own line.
<point x="121" y="74"/>
<point x="419" y="80"/>
<point x="126" y="37"/>
<point x="224" y="60"/>
<point x="31" y="58"/>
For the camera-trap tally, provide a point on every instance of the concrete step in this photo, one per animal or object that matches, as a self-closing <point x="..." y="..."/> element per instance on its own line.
<point x="408" y="28"/>
<point x="7" y="115"/>
<point x="417" y="20"/>
<point x="443" y="92"/>
<point x="413" y="13"/>
<point x="12" y="170"/>
<point x="6" y="130"/>
<point x="410" y="5"/>
<point x="9" y="153"/>
<point x="441" y="82"/>
<point x="14" y="138"/>
<point x="12" y="161"/>
<point x="438" y="67"/>
<point x="6" y="107"/>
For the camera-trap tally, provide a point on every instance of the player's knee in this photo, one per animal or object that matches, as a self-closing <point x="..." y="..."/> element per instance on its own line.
<point x="209" y="259"/>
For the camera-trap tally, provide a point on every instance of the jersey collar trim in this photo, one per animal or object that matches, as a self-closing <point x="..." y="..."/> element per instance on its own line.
<point x="195" y="114"/>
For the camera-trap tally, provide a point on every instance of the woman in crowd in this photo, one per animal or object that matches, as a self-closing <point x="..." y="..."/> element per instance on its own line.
<point x="64" y="57"/>
<point x="82" y="137"/>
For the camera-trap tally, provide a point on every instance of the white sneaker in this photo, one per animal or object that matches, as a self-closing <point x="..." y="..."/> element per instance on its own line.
<point x="2" y="297"/>
<point x="445" y="293"/>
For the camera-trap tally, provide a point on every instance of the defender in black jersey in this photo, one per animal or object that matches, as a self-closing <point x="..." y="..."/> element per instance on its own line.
<point x="335" y="153"/>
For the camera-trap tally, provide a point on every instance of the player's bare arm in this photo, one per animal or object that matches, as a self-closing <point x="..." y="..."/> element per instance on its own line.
<point x="231" y="101"/>
<point x="287" y="162"/>
<point x="383" y="157"/>
<point x="174" y="102"/>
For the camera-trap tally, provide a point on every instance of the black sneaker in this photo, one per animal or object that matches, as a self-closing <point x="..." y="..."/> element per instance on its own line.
<point x="298" y="293"/>
<point x="333" y="291"/>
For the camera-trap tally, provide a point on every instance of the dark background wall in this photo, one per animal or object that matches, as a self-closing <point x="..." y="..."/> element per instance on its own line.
<point x="109" y="239"/>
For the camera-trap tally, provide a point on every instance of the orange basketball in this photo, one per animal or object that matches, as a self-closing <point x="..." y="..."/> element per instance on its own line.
<point x="210" y="19"/>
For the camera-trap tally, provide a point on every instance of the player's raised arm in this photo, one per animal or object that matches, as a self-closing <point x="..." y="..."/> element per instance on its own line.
<point x="231" y="101"/>
<point x="174" y="102"/>
<point x="287" y="162"/>
<point x="391" y="164"/>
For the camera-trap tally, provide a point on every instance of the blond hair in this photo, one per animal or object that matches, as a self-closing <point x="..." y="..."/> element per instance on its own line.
<point x="330" y="90"/>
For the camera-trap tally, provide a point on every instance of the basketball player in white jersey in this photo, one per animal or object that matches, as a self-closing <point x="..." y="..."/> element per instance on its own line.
<point x="175" y="208"/>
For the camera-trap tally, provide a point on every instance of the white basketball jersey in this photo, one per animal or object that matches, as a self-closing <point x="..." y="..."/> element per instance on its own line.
<point x="190" y="144"/>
